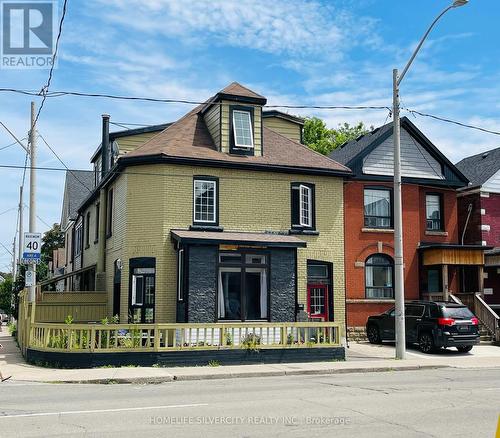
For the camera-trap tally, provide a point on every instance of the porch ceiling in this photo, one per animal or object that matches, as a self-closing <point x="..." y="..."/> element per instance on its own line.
<point x="449" y="254"/>
<point x="234" y="238"/>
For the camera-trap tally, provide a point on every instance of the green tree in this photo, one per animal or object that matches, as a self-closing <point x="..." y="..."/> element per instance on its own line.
<point x="51" y="240"/>
<point x="6" y="291"/>
<point x="324" y="140"/>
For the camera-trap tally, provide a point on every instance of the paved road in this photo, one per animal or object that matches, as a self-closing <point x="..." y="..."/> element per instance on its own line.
<point x="438" y="403"/>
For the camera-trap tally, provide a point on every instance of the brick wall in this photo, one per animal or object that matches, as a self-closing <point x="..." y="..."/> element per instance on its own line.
<point x="160" y="198"/>
<point x="473" y="235"/>
<point x="360" y="244"/>
<point x="491" y="206"/>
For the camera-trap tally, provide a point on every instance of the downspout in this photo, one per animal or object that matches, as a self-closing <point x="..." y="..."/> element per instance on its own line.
<point x="466" y="222"/>
<point x="462" y="241"/>
<point x="100" y="282"/>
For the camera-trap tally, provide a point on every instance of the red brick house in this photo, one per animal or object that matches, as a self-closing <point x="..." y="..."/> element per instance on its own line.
<point x="479" y="215"/>
<point x="433" y="255"/>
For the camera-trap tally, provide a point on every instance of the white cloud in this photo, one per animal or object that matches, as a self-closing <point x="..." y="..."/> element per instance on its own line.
<point x="291" y="27"/>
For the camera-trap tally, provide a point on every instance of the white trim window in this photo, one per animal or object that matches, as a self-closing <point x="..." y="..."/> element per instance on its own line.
<point x="205" y="201"/>
<point x="242" y="128"/>
<point x="305" y="206"/>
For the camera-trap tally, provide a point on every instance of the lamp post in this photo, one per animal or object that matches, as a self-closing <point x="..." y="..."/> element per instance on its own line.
<point x="398" y="212"/>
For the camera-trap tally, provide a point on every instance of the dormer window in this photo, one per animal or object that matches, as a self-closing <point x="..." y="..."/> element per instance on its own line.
<point x="242" y="128"/>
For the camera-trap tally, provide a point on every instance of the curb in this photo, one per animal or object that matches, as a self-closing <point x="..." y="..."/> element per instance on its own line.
<point x="251" y="374"/>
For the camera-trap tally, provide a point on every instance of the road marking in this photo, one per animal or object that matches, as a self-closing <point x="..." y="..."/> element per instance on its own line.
<point x="97" y="411"/>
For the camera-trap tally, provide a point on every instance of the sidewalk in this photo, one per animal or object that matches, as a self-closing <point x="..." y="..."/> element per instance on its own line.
<point x="362" y="358"/>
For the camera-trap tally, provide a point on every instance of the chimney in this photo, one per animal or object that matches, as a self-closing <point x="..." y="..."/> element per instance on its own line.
<point x="105" y="145"/>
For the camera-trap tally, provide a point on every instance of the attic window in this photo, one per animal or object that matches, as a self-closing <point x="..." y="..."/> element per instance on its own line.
<point x="242" y="128"/>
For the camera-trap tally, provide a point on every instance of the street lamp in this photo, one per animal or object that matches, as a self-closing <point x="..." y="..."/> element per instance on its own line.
<point x="398" y="213"/>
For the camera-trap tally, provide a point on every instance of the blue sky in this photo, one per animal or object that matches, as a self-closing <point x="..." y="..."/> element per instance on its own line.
<point x="338" y="52"/>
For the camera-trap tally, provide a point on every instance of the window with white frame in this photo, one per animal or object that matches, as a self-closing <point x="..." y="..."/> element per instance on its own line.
<point x="205" y="201"/>
<point x="242" y="128"/>
<point x="305" y="206"/>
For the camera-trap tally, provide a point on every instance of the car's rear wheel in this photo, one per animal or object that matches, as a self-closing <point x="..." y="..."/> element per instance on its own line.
<point x="465" y="349"/>
<point x="373" y="334"/>
<point x="426" y="343"/>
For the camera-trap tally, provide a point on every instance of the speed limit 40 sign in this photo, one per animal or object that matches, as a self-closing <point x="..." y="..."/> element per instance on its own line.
<point x="31" y="248"/>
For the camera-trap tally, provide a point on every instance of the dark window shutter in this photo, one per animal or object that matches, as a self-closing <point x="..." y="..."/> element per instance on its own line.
<point x="295" y="204"/>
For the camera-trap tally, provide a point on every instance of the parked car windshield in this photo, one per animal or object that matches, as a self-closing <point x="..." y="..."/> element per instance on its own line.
<point x="457" y="313"/>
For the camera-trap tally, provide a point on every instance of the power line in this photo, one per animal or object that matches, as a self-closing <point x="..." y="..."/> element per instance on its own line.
<point x="6" y="211"/>
<point x="12" y="144"/>
<point x="6" y="249"/>
<point x="63" y="163"/>
<point x="45" y="88"/>
<point x="442" y="119"/>
<point x="184" y="101"/>
<point x="39" y="218"/>
<point x="122" y="125"/>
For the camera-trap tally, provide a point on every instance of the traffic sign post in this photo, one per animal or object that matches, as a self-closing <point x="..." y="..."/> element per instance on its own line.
<point x="32" y="248"/>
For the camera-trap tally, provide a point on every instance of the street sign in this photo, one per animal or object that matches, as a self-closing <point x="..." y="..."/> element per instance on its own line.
<point x="31" y="248"/>
<point x="29" y="278"/>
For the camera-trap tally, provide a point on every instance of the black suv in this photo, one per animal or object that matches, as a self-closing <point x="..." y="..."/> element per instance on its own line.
<point x="431" y="324"/>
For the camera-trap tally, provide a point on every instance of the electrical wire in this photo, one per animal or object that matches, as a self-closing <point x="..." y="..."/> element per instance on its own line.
<point x="455" y="122"/>
<point x="182" y="101"/>
<point x="45" y="88"/>
<point x="63" y="163"/>
<point x="12" y="144"/>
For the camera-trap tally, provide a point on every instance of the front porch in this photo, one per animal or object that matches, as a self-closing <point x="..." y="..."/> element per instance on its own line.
<point x="91" y="344"/>
<point x="450" y="269"/>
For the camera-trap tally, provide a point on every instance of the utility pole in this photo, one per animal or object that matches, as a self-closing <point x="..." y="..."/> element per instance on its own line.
<point x="20" y="239"/>
<point x="398" y="228"/>
<point x="399" y="293"/>
<point x="32" y="221"/>
<point x="14" y="264"/>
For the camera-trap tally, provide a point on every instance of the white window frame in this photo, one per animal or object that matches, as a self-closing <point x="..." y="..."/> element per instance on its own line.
<point x="247" y="113"/>
<point x="305" y="221"/>
<point x="215" y="201"/>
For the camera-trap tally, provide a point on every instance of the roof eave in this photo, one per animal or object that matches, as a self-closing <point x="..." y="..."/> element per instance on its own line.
<point x="163" y="158"/>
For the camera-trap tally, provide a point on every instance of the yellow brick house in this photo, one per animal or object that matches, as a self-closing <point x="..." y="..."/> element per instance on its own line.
<point x="222" y="215"/>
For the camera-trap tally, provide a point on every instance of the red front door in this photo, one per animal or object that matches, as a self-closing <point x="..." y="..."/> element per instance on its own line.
<point x="317" y="301"/>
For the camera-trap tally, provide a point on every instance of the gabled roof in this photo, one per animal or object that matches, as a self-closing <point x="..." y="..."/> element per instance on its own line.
<point x="236" y="89"/>
<point x="188" y="141"/>
<point x="350" y="150"/>
<point x="481" y="167"/>
<point x="77" y="186"/>
<point x="128" y="132"/>
<point x="352" y="153"/>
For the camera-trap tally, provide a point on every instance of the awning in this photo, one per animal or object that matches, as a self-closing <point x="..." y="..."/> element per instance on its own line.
<point x="452" y="254"/>
<point x="492" y="258"/>
<point x="234" y="238"/>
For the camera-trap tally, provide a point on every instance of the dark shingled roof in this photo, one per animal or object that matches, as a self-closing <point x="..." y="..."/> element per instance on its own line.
<point x="189" y="138"/>
<point x="78" y="185"/>
<point x="353" y="148"/>
<point x="481" y="167"/>
<point x="236" y="89"/>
